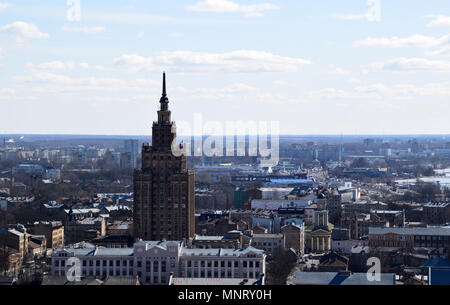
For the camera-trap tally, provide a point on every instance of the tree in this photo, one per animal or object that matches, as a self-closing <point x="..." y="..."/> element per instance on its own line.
<point x="360" y="163"/>
<point x="279" y="268"/>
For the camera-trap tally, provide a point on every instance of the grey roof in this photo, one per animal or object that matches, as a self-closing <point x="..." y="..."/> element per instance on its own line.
<point x="263" y="236"/>
<point x="436" y="231"/>
<point x="87" y="281"/>
<point x="214" y="281"/>
<point x="335" y="278"/>
<point x="208" y="238"/>
<point x="219" y="252"/>
<point x="83" y="211"/>
<point x="159" y="243"/>
<point x="97" y="251"/>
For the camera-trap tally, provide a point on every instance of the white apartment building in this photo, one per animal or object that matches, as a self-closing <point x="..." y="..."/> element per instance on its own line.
<point x="153" y="262"/>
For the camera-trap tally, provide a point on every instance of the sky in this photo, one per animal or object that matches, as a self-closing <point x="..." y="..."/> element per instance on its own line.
<point x="315" y="67"/>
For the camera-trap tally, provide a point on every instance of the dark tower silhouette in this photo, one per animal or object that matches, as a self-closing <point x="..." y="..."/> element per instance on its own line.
<point x="163" y="188"/>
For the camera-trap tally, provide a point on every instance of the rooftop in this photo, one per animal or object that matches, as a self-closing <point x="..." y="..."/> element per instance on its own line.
<point x="436" y="231"/>
<point x="336" y="278"/>
<point x="214" y="281"/>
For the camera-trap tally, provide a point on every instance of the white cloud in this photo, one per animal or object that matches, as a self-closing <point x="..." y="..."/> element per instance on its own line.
<point x="84" y="29"/>
<point x="383" y="92"/>
<point x="4" y="6"/>
<point x="444" y="51"/>
<point x="351" y="16"/>
<point x="21" y="28"/>
<point x="129" y="17"/>
<point x="334" y="70"/>
<point x="438" y="20"/>
<point x="87" y="83"/>
<point x="84" y="65"/>
<point x="419" y="41"/>
<point x="409" y="64"/>
<point x="227" y="6"/>
<point x="234" y="61"/>
<point x="51" y="66"/>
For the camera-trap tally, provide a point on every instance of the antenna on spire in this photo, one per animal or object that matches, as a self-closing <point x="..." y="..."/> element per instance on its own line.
<point x="164" y="84"/>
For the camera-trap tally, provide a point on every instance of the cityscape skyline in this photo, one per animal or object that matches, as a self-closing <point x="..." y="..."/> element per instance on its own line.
<point x="254" y="61"/>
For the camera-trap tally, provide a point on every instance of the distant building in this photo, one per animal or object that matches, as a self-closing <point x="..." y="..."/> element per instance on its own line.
<point x="361" y="207"/>
<point x="17" y="238"/>
<point x="132" y="148"/>
<point x="52" y="230"/>
<point x="241" y="198"/>
<point x="272" y="244"/>
<point x="30" y="169"/>
<point x="359" y="225"/>
<point x="88" y="228"/>
<point x="318" y="236"/>
<point x="436" y="213"/>
<point x="52" y="208"/>
<point x="333" y="262"/>
<point x="409" y="238"/>
<point x="294" y="234"/>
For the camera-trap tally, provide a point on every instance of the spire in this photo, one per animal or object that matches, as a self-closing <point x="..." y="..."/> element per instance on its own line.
<point x="164" y="100"/>
<point x="164" y="94"/>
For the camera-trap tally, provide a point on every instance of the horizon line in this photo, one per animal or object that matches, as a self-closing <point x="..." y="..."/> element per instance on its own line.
<point x="280" y="135"/>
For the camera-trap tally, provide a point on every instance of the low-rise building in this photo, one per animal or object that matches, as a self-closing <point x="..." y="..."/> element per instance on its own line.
<point x="84" y="229"/>
<point x="436" y="213"/>
<point x="272" y="244"/>
<point x="409" y="238"/>
<point x="294" y="235"/>
<point x="340" y="278"/>
<point x="52" y="230"/>
<point x="155" y="262"/>
<point x="333" y="262"/>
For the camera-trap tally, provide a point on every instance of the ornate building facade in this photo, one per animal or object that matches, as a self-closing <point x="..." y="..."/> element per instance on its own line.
<point x="164" y="201"/>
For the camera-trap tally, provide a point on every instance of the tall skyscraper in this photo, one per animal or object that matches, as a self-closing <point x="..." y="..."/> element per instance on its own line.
<point x="164" y="187"/>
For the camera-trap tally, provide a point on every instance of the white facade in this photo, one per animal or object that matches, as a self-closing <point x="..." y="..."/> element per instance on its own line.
<point x="154" y="261"/>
